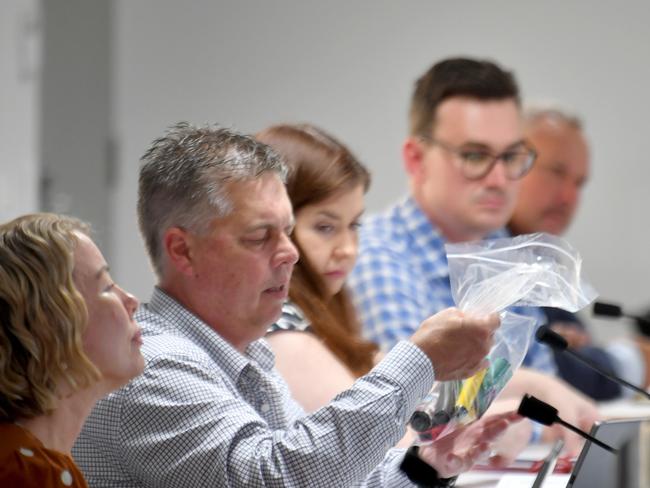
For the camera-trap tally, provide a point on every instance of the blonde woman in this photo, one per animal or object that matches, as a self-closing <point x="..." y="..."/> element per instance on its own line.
<point x="67" y="339"/>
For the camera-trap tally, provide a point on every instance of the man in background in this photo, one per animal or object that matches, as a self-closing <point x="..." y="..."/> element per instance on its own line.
<point x="464" y="156"/>
<point x="548" y="199"/>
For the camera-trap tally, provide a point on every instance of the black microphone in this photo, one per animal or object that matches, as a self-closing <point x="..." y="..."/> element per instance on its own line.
<point x="614" y="310"/>
<point x="543" y="413"/>
<point x="547" y="336"/>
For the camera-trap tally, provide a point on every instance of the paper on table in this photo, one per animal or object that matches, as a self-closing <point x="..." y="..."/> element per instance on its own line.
<point x="519" y="480"/>
<point x="624" y="409"/>
<point x="480" y="479"/>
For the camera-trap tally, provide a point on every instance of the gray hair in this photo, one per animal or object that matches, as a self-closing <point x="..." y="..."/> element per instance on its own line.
<point x="184" y="179"/>
<point x="536" y="113"/>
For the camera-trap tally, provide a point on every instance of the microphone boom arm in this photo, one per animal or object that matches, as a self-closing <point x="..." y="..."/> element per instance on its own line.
<point x="589" y="437"/>
<point x="606" y="374"/>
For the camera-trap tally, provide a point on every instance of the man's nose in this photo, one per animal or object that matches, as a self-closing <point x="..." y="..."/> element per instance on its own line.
<point x="287" y="252"/>
<point x="570" y="193"/>
<point x="498" y="175"/>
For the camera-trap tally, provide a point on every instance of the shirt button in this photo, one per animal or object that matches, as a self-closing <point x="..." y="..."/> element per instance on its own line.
<point x="265" y="407"/>
<point x="66" y="478"/>
<point x="26" y="452"/>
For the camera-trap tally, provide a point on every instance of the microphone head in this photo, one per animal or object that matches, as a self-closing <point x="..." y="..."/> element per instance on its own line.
<point x="546" y="335"/>
<point x="607" y="309"/>
<point x="535" y="409"/>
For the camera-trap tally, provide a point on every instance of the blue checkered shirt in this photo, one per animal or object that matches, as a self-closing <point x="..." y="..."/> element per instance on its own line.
<point x="203" y="414"/>
<point x="402" y="277"/>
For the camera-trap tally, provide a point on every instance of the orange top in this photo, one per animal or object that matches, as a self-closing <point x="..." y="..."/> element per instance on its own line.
<point x="25" y="461"/>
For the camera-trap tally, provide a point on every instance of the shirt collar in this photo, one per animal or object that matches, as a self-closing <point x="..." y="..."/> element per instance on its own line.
<point x="419" y="226"/>
<point x="425" y="243"/>
<point x="427" y="238"/>
<point x="198" y="332"/>
<point x="418" y="223"/>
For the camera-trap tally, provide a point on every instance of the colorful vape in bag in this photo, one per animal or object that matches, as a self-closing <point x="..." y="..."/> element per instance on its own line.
<point x="433" y="414"/>
<point x="498" y="374"/>
<point x="466" y="401"/>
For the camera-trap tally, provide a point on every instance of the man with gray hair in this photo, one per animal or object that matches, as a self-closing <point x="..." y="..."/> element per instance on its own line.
<point x="550" y="192"/>
<point x="549" y="197"/>
<point x="210" y="409"/>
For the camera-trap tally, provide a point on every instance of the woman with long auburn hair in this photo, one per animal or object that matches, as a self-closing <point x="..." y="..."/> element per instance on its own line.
<point x="326" y="185"/>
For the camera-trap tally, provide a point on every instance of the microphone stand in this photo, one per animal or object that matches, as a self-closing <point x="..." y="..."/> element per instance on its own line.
<point x="586" y="436"/>
<point x="541" y="412"/>
<point x="546" y="335"/>
<point x="606" y="374"/>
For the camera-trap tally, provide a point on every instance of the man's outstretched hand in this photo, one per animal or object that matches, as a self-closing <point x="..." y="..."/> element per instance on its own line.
<point x="460" y="450"/>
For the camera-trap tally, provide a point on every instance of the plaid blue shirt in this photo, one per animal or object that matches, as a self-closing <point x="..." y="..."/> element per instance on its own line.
<point x="203" y="414"/>
<point x="402" y="277"/>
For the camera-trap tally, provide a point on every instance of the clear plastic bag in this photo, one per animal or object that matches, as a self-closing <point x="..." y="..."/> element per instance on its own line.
<point x="487" y="277"/>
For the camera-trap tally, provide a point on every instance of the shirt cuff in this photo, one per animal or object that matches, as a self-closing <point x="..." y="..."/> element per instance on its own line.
<point x="408" y="366"/>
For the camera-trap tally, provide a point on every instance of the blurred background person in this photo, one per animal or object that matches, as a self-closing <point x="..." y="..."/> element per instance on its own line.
<point x="67" y="339"/>
<point x="547" y="202"/>
<point x="464" y="156"/>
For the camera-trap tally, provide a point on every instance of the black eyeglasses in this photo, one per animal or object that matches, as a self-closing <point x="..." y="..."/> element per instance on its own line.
<point x="477" y="163"/>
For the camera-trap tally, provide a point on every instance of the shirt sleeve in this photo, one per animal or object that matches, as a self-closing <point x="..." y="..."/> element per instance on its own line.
<point x="182" y="426"/>
<point x="388" y="297"/>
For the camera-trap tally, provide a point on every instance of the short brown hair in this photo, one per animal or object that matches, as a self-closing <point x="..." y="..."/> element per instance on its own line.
<point x="457" y="77"/>
<point x="42" y="315"/>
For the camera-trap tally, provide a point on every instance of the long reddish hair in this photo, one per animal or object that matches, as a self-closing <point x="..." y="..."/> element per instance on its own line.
<point x="319" y="167"/>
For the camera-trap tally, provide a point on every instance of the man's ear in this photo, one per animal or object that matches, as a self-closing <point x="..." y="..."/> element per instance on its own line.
<point x="178" y="246"/>
<point x="412" y="155"/>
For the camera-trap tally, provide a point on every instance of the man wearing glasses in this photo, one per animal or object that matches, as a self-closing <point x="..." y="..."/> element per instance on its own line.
<point x="464" y="157"/>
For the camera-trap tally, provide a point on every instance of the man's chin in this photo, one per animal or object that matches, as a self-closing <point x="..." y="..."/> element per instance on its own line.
<point x="491" y="222"/>
<point x="554" y="225"/>
<point x="273" y="315"/>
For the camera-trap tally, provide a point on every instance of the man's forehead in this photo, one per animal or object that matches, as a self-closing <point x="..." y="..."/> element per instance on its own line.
<point x="556" y="139"/>
<point x="567" y="148"/>
<point x="559" y="133"/>
<point x="261" y="200"/>
<point x="492" y="123"/>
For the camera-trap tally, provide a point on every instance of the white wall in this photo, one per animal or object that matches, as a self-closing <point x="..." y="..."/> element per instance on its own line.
<point x="75" y="113"/>
<point x="349" y="67"/>
<point x="20" y="48"/>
